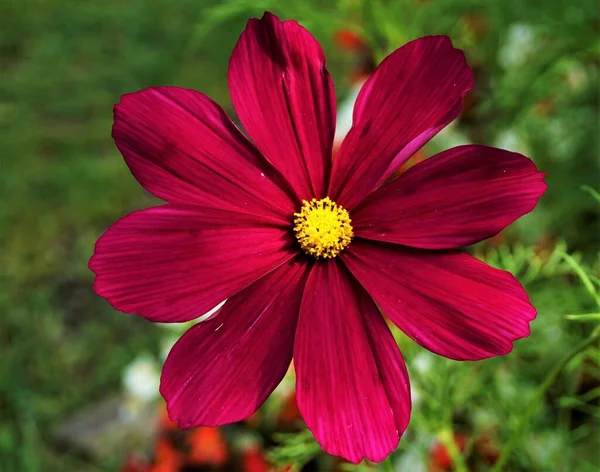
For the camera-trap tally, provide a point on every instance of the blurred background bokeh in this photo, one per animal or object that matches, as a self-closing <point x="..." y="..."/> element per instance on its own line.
<point x="78" y="381"/>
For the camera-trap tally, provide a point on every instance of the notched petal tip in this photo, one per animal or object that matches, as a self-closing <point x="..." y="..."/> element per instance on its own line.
<point x="268" y="16"/>
<point x="414" y="93"/>
<point x="183" y="148"/>
<point x="285" y="100"/>
<point x="222" y="370"/>
<point x="174" y="263"/>
<point x="452" y="303"/>
<point x="454" y="199"/>
<point x="355" y="401"/>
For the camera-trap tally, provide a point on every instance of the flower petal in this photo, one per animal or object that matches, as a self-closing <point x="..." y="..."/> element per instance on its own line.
<point x="352" y="385"/>
<point x="414" y="93"/>
<point x="173" y="264"/>
<point x="450" y="303"/>
<point x="183" y="148"/>
<point x="453" y="199"/>
<point x="223" y="369"/>
<point x="284" y="97"/>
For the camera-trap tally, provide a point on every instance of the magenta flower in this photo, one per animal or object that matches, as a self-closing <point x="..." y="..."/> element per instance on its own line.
<point x="308" y="251"/>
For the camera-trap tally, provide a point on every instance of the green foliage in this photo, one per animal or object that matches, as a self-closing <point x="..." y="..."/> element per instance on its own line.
<point x="64" y="63"/>
<point x="529" y="263"/>
<point x="294" y="448"/>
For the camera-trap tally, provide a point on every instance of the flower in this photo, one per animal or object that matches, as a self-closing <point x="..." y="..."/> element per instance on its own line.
<point x="439" y="456"/>
<point x="254" y="460"/>
<point x="243" y="218"/>
<point x="207" y="447"/>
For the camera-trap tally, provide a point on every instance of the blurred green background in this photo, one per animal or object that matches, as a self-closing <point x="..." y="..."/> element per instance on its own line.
<point x="63" y="65"/>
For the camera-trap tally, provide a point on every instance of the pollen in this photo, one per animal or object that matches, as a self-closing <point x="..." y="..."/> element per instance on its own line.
<point x="323" y="228"/>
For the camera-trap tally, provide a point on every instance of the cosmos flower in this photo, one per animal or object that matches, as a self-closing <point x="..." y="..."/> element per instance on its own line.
<point x="308" y="251"/>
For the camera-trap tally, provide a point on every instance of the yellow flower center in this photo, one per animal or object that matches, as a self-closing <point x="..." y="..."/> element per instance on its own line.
<point x="322" y="228"/>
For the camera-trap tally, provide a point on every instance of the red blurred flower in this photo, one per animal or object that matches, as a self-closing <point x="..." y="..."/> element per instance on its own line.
<point x="544" y="107"/>
<point x="290" y="413"/>
<point x="253" y="421"/>
<point x="207" y="447"/>
<point x="164" y="422"/>
<point x="350" y="40"/>
<point x="487" y="448"/>
<point x="135" y="464"/>
<point x="365" y="62"/>
<point x="476" y="24"/>
<point x="254" y="460"/>
<point x="166" y="457"/>
<point x="307" y="252"/>
<point x="440" y="459"/>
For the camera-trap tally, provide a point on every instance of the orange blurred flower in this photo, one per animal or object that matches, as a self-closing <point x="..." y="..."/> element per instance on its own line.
<point x="487" y="448"/>
<point x="439" y="457"/>
<point x="166" y="457"/>
<point x="207" y="447"/>
<point x="254" y="420"/>
<point x="164" y="422"/>
<point x="135" y="464"/>
<point x="289" y="414"/>
<point x="349" y="40"/>
<point x="254" y="460"/>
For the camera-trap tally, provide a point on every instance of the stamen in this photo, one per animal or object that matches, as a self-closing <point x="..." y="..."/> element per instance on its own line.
<point x="323" y="228"/>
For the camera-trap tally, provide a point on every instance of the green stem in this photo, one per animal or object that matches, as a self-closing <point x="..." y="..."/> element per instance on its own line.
<point x="539" y="394"/>
<point x="583" y="276"/>
<point x="447" y="438"/>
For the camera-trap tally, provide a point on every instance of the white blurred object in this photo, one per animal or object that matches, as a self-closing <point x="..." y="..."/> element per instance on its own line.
<point x="521" y="44"/>
<point x="423" y="362"/>
<point x="415" y="394"/>
<point x="344" y="114"/>
<point x="484" y="419"/>
<point x="545" y="448"/>
<point x="287" y="385"/>
<point x="576" y="75"/>
<point x="512" y="141"/>
<point x="563" y="136"/>
<point x="411" y="461"/>
<point x="166" y="344"/>
<point x="450" y="137"/>
<point x="247" y="440"/>
<point x="141" y="380"/>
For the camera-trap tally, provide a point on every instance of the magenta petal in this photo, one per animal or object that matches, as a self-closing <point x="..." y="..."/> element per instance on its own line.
<point x="223" y="369"/>
<point x="173" y="264"/>
<point x="284" y="97"/>
<point x="414" y="93"/>
<point x="183" y="148"/>
<point x="453" y="199"/>
<point x="352" y="385"/>
<point x="450" y="303"/>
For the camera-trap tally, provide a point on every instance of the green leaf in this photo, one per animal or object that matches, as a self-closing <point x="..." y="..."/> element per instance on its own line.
<point x="584" y="317"/>
<point x="578" y="269"/>
<point x="593" y="192"/>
